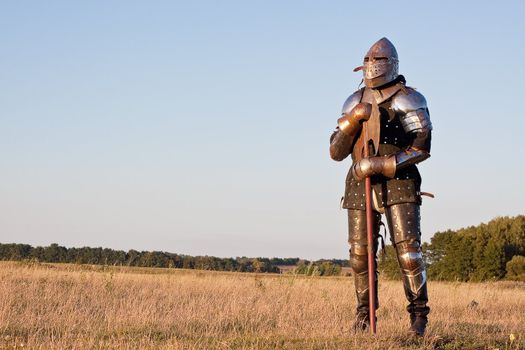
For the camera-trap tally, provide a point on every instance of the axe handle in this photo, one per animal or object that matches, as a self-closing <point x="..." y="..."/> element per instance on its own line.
<point x="370" y="238"/>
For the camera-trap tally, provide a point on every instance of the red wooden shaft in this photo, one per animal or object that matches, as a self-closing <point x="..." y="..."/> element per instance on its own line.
<point x="370" y="238"/>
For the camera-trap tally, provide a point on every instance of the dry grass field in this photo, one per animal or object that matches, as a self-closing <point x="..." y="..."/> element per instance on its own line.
<point x="45" y="306"/>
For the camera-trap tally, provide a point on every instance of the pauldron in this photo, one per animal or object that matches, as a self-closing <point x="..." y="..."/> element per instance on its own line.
<point x="352" y="101"/>
<point x="341" y="142"/>
<point x="412" y="110"/>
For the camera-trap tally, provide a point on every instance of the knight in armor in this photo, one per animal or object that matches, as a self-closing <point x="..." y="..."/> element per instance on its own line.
<point x="404" y="129"/>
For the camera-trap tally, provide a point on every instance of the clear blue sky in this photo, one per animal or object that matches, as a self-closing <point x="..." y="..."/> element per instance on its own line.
<point x="201" y="127"/>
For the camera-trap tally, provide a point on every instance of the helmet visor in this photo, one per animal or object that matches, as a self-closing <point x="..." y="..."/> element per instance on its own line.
<point x="377" y="67"/>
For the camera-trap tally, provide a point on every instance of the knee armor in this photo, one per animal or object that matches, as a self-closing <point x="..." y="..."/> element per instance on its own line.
<point x="412" y="265"/>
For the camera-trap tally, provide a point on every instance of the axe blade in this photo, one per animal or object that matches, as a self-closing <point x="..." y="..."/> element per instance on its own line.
<point x="373" y="126"/>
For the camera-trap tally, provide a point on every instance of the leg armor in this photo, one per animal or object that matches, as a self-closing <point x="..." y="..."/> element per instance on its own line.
<point x="404" y="226"/>
<point x="357" y="237"/>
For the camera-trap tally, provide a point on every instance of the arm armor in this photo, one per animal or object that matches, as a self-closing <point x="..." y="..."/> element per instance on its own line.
<point x="341" y="142"/>
<point x="340" y="145"/>
<point x="410" y="156"/>
<point x="415" y="119"/>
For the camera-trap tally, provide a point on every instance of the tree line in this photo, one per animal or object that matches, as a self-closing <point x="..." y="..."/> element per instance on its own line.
<point x="55" y="253"/>
<point x="491" y="251"/>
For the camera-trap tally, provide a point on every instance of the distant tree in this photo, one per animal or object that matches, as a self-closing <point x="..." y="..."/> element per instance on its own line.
<point x="132" y="256"/>
<point x="257" y="265"/>
<point x="15" y="251"/>
<point x="437" y="249"/>
<point x="387" y="263"/>
<point x="313" y="270"/>
<point x="284" y="261"/>
<point x="38" y="254"/>
<point x="476" y="253"/>
<point x="188" y="262"/>
<point x="302" y="267"/>
<point x="515" y="269"/>
<point x="492" y="262"/>
<point x="328" y="268"/>
<point x="453" y="260"/>
<point x="55" y="253"/>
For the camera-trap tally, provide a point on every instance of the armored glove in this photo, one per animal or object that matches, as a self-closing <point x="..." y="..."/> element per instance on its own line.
<point x="385" y="166"/>
<point x="350" y="123"/>
<point x="348" y="126"/>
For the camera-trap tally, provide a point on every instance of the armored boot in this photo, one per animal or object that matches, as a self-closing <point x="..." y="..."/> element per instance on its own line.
<point x="359" y="263"/>
<point x="362" y="319"/>
<point x="418" y="310"/>
<point x="362" y="322"/>
<point x="404" y="224"/>
<point x="418" y="325"/>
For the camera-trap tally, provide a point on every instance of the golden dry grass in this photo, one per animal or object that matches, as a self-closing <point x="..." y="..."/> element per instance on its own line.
<point x="46" y="306"/>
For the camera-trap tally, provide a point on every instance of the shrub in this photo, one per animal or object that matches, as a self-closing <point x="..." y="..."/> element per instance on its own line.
<point x="516" y="268"/>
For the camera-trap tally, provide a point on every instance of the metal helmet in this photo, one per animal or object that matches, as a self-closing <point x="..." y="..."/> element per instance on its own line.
<point x="380" y="64"/>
